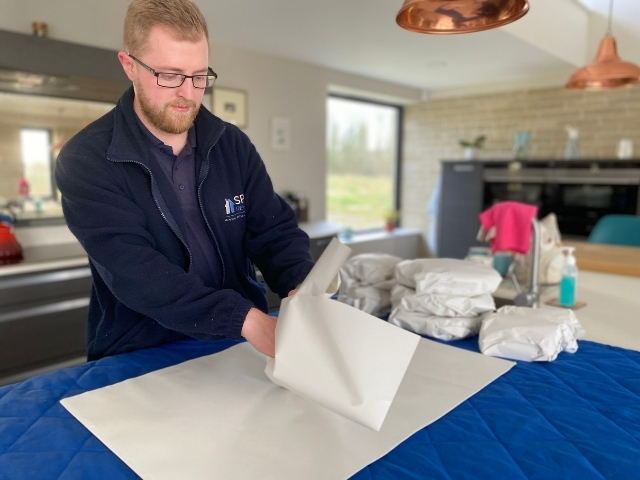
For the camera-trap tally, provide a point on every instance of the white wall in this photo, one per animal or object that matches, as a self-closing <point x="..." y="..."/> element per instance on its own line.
<point x="275" y="86"/>
<point x="278" y="87"/>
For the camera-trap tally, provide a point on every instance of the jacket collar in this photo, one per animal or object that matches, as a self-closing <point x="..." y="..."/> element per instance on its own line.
<point x="128" y="142"/>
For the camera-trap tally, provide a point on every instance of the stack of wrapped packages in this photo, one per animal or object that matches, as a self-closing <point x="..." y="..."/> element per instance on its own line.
<point x="366" y="282"/>
<point x="443" y="298"/>
<point x="530" y="335"/>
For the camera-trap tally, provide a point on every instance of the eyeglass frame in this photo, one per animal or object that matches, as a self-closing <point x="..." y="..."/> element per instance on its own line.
<point x="157" y="74"/>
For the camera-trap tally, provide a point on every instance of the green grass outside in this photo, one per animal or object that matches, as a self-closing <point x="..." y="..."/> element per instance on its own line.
<point x="357" y="201"/>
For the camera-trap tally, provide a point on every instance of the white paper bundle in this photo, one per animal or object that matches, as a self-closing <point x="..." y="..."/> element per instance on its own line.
<point x="447" y="276"/>
<point x="345" y="360"/>
<point x="530" y="335"/>
<point x="449" y="305"/>
<point x="371" y="268"/>
<point x="367" y="280"/>
<point x="442" y="328"/>
<point x="398" y="293"/>
<point x="372" y="300"/>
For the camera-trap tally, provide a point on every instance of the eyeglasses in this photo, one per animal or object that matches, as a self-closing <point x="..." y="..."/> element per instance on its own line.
<point x="175" y="80"/>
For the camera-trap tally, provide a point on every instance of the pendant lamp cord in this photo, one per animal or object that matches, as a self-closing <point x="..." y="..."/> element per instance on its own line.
<point x="609" y="33"/>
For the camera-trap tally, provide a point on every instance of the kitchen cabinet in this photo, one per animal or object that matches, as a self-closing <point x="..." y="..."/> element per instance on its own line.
<point x="43" y="310"/>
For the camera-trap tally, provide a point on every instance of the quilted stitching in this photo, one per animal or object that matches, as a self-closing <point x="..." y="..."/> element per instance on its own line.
<point x="577" y="417"/>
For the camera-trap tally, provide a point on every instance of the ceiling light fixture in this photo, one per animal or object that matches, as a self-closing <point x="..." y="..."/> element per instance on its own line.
<point x="446" y="17"/>
<point x="607" y="70"/>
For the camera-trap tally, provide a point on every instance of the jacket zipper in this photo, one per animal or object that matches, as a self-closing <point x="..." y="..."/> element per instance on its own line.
<point x="213" y="235"/>
<point x="153" y="195"/>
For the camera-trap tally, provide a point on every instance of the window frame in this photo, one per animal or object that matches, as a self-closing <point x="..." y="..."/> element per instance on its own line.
<point x="397" y="184"/>
<point x="51" y="162"/>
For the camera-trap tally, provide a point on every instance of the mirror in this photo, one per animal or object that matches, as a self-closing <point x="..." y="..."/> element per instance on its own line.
<point x="33" y="129"/>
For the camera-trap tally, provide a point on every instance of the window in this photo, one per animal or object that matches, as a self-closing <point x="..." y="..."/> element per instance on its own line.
<point x="362" y="162"/>
<point x="36" y="161"/>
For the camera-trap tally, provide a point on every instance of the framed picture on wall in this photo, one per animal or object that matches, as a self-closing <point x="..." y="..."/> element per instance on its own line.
<point x="230" y="105"/>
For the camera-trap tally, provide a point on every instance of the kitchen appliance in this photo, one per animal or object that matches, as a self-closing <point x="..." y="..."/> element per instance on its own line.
<point x="579" y="195"/>
<point x="579" y="192"/>
<point x="10" y="249"/>
<point x="299" y="204"/>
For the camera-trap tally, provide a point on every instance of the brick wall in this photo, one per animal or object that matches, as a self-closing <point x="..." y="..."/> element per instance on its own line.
<point x="432" y="130"/>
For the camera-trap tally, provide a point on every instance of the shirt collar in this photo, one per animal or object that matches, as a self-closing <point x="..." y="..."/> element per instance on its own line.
<point x="156" y="143"/>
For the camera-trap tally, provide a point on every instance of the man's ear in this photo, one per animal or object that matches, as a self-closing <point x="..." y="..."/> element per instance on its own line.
<point x="127" y="64"/>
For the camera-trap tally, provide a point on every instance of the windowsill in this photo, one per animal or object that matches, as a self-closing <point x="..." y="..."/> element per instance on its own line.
<point x="380" y="235"/>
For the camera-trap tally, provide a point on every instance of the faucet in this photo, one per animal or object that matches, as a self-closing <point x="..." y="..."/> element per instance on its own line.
<point x="531" y="298"/>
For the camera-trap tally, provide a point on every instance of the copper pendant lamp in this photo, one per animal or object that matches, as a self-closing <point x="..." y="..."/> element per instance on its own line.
<point x="446" y="17"/>
<point x="607" y="70"/>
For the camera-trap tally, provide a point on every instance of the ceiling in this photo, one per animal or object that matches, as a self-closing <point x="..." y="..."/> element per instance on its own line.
<point x="361" y="36"/>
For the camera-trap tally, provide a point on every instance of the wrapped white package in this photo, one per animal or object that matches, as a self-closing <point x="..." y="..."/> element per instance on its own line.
<point x="398" y="292"/>
<point x="369" y="299"/>
<point x="370" y="268"/>
<point x="367" y="280"/>
<point x="530" y="335"/>
<point x="220" y="417"/>
<point x="448" y="276"/>
<point x="449" y="305"/>
<point x="345" y="360"/>
<point x="442" y="328"/>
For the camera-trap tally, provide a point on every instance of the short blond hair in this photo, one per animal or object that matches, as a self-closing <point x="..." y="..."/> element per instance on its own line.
<point x="182" y="18"/>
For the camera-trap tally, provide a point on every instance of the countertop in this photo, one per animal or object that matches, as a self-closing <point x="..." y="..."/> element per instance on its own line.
<point x="614" y="259"/>
<point x="53" y="247"/>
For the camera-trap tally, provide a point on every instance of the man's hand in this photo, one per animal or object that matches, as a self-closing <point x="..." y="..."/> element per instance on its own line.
<point x="292" y="292"/>
<point x="260" y="331"/>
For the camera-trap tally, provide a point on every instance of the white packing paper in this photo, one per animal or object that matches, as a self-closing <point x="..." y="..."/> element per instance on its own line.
<point x="449" y="305"/>
<point x="398" y="293"/>
<point x="442" y="328"/>
<point x="371" y="268"/>
<point x="367" y="280"/>
<point x="220" y="417"/>
<point x="447" y="276"/>
<point x="345" y="360"/>
<point x="531" y="335"/>
<point x="369" y="299"/>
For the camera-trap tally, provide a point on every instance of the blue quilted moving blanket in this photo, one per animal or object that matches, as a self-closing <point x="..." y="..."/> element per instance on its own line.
<point x="577" y="417"/>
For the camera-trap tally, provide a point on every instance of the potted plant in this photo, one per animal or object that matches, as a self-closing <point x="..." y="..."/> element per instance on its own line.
<point x="391" y="220"/>
<point x="470" y="148"/>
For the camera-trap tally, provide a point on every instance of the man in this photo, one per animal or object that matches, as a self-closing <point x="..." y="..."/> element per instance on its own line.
<point x="173" y="205"/>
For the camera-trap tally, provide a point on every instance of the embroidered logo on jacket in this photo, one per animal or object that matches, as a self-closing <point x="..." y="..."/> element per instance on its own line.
<point x="234" y="208"/>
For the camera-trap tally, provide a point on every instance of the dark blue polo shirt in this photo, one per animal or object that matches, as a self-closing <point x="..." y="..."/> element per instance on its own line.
<point x="180" y="170"/>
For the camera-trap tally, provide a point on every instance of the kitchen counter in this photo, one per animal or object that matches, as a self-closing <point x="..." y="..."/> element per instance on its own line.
<point x="45" y="249"/>
<point x="613" y="259"/>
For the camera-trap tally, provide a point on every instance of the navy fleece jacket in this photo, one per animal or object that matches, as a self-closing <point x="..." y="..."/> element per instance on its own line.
<point x="120" y="206"/>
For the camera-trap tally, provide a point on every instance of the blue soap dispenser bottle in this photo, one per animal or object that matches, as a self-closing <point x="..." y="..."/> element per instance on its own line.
<point x="569" y="280"/>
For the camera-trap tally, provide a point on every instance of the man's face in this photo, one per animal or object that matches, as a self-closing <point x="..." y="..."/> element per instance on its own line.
<point x="172" y="110"/>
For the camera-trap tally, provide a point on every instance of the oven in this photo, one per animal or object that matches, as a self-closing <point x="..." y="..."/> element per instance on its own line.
<point x="578" y="196"/>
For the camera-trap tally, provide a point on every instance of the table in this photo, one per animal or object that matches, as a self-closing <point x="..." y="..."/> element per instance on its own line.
<point x="577" y="417"/>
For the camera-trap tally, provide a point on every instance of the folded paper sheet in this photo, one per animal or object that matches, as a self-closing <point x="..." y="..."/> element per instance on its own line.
<point x="220" y="417"/>
<point x="345" y="360"/>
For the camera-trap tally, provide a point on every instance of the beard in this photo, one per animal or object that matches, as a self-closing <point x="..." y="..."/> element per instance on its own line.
<point x="165" y="118"/>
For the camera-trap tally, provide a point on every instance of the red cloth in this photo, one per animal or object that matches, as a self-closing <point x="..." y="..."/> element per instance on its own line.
<point x="512" y="222"/>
